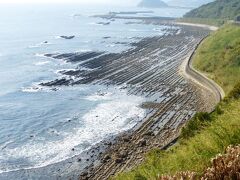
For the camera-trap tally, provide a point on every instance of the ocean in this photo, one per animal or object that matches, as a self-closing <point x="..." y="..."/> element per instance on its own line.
<point x="39" y="125"/>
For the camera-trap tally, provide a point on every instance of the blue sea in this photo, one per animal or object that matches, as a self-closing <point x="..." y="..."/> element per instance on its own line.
<point x="40" y="126"/>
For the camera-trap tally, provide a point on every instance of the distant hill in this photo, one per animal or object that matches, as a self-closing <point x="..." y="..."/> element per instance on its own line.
<point x="219" y="9"/>
<point x="152" y="4"/>
<point x="188" y="3"/>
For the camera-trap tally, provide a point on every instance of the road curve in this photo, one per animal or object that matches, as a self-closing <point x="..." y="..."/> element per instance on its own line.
<point x="199" y="78"/>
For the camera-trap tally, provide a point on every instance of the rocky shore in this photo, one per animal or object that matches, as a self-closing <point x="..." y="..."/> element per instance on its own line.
<point x="150" y="69"/>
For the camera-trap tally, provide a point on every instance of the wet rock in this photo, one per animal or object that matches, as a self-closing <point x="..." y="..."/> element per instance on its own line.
<point x="67" y="37"/>
<point x="103" y="23"/>
<point x="106" y="37"/>
<point x="123" y="154"/>
<point x="149" y="133"/>
<point x="142" y="142"/>
<point x="84" y="176"/>
<point x="126" y="139"/>
<point x="106" y="158"/>
<point x="118" y="160"/>
<point x="108" y="143"/>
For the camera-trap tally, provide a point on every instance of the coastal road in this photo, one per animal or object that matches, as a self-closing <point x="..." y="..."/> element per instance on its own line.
<point x="199" y="78"/>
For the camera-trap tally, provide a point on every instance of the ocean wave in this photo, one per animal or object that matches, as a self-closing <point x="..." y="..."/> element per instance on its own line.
<point x="110" y="45"/>
<point x="100" y="96"/>
<point x="40" y="55"/>
<point x="41" y="63"/>
<point x="37" y="88"/>
<point x="106" y="119"/>
<point x="39" y="44"/>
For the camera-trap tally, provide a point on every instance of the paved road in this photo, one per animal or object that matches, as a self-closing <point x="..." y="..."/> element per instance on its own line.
<point x="201" y="79"/>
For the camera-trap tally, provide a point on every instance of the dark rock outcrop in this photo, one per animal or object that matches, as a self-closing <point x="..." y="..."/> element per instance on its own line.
<point x="67" y="37"/>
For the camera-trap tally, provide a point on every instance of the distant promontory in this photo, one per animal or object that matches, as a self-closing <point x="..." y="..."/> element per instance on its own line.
<point x="152" y="4"/>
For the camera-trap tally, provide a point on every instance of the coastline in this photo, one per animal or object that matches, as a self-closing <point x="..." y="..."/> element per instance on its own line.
<point x="188" y="71"/>
<point x="173" y="101"/>
<point x="130" y="147"/>
<point x="212" y="28"/>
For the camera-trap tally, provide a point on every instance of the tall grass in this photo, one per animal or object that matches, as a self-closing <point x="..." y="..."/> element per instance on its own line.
<point x="194" y="152"/>
<point x="219" y="57"/>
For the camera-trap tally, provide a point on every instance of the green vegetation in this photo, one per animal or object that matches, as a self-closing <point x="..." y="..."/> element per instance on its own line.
<point x="219" y="57"/>
<point x="219" y="9"/>
<point x="205" y="135"/>
<point x="208" y="21"/>
<point x="194" y="153"/>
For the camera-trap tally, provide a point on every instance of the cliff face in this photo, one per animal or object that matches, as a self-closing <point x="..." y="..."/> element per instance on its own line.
<point x="152" y="4"/>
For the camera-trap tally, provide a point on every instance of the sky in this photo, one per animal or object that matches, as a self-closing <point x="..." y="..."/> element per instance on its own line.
<point x="114" y="2"/>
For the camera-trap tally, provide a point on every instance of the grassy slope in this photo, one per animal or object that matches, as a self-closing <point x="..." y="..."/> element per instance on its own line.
<point x="219" y="9"/>
<point x="204" y="136"/>
<point x="215" y="13"/>
<point x="219" y="57"/>
<point x="193" y="153"/>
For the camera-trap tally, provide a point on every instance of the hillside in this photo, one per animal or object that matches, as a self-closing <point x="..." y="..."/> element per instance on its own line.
<point x="219" y="9"/>
<point x="184" y="3"/>
<point x="152" y="4"/>
<point x="219" y="57"/>
<point x="206" y="135"/>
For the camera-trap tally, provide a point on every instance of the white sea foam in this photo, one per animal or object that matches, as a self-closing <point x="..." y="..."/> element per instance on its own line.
<point x="96" y="24"/>
<point x="37" y="88"/>
<point x="39" y="44"/>
<point x="133" y="30"/>
<point x="178" y="32"/>
<point x="100" y="96"/>
<point x="40" y="55"/>
<point x="41" y="63"/>
<point x="34" y="46"/>
<point x="111" y="45"/>
<point x="111" y="117"/>
<point x="84" y="50"/>
<point x="158" y="29"/>
<point x="60" y="71"/>
<point x="31" y="89"/>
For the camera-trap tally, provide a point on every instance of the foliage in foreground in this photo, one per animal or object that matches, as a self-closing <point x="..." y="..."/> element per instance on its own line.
<point x="194" y="152"/>
<point x="226" y="166"/>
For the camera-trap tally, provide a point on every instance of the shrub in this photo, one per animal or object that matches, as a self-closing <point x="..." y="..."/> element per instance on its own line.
<point x="235" y="93"/>
<point x="195" y="124"/>
<point x="218" y="110"/>
<point x="139" y="177"/>
<point x="226" y="166"/>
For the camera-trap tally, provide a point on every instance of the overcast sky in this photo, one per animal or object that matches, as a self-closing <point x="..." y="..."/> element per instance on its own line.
<point x="127" y="2"/>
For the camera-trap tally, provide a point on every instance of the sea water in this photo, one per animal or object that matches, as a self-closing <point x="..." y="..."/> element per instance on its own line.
<point x="40" y="126"/>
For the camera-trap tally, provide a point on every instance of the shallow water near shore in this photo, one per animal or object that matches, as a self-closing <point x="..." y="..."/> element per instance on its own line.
<point x="44" y="125"/>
